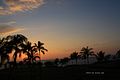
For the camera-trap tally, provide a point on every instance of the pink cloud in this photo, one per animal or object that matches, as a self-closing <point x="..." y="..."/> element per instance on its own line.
<point x="13" y="6"/>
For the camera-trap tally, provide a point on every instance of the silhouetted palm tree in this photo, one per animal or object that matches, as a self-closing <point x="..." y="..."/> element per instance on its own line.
<point x="74" y="55"/>
<point x="100" y="56"/>
<point x="40" y="48"/>
<point x="28" y="49"/>
<point x="31" y="51"/>
<point x="16" y="42"/>
<point x="86" y="52"/>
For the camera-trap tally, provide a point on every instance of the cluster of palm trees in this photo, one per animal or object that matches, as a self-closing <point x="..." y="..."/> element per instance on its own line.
<point x="85" y="53"/>
<point x="101" y="56"/>
<point x="18" y="44"/>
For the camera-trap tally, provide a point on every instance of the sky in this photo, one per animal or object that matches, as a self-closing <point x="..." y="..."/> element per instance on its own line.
<point x="64" y="26"/>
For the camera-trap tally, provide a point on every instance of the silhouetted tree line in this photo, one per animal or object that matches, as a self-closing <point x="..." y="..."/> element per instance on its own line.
<point x="85" y="53"/>
<point x="18" y="44"/>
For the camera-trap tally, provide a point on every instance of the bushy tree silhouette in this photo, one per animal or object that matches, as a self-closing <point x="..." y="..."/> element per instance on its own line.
<point x="108" y="57"/>
<point x="64" y="60"/>
<point x="74" y="55"/>
<point x="57" y="61"/>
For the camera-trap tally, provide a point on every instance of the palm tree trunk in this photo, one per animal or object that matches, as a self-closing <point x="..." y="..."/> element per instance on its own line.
<point x="15" y="58"/>
<point x="40" y="56"/>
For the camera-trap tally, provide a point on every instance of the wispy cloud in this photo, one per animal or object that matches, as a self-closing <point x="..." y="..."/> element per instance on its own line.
<point x="7" y="29"/>
<point x="13" y="6"/>
<point x="11" y="22"/>
<point x="8" y="23"/>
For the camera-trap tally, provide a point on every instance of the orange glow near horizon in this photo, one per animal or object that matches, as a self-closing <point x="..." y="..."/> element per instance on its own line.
<point x="60" y="50"/>
<point x="64" y="48"/>
<point x="52" y="55"/>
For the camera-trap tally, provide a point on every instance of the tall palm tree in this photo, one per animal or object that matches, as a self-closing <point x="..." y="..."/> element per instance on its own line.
<point x="27" y="49"/>
<point x="31" y="51"/>
<point x="40" y="48"/>
<point x="16" y="42"/>
<point x="86" y="52"/>
<point x="74" y="55"/>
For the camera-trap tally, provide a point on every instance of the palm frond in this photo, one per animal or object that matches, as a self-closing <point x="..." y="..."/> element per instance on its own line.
<point x="42" y="51"/>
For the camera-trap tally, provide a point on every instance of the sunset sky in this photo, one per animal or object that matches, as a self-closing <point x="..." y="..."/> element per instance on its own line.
<point x="64" y="25"/>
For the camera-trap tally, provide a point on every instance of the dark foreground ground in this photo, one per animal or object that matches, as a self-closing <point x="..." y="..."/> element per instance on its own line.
<point x="101" y="71"/>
